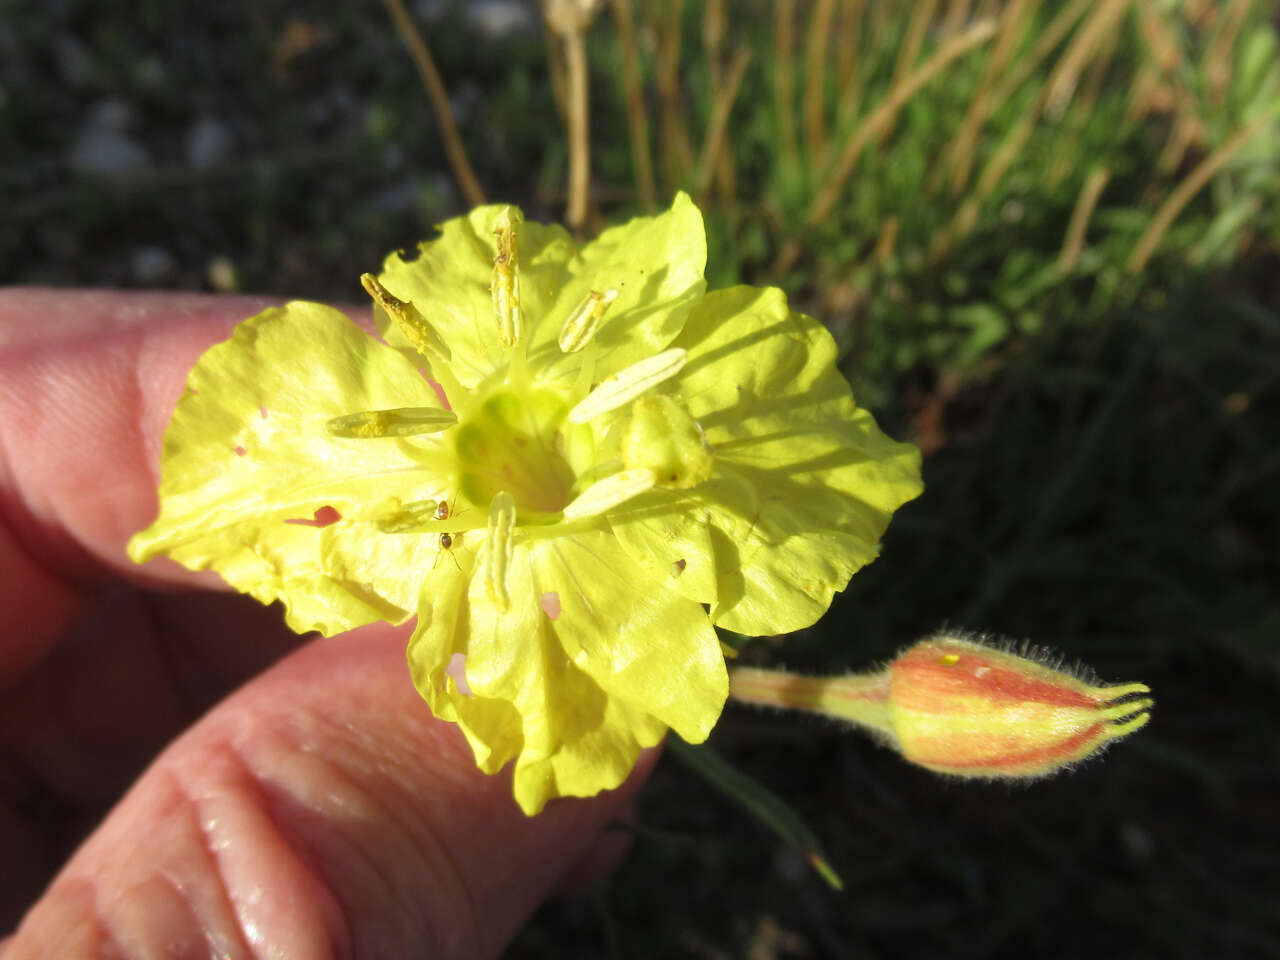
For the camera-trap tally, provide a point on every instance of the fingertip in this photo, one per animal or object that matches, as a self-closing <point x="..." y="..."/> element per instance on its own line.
<point x="88" y="382"/>
<point x="329" y="773"/>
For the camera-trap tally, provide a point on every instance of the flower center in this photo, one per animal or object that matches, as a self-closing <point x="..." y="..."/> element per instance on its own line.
<point x="515" y="442"/>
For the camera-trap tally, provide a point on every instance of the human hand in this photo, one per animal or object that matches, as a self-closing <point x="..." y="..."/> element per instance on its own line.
<point x="301" y="800"/>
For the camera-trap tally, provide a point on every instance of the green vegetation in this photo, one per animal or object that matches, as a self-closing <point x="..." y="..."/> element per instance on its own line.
<point x="938" y="185"/>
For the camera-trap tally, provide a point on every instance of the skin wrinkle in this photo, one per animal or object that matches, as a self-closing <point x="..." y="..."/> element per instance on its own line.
<point x="286" y="805"/>
<point x="143" y="440"/>
<point x="175" y="783"/>
<point x="105" y="932"/>
<point x="278" y="800"/>
<point x="41" y="531"/>
<point x="153" y="896"/>
<point x="83" y="932"/>
<point x="59" y="407"/>
<point x="252" y="781"/>
<point x="45" y="747"/>
<point x="47" y="598"/>
<point x="176" y="802"/>
<point x="64" y="371"/>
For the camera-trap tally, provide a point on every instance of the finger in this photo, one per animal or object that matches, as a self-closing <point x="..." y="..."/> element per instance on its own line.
<point x="88" y="381"/>
<point x="319" y="812"/>
<point x="86" y="719"/>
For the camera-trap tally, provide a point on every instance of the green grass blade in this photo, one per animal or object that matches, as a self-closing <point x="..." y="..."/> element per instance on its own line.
<point x="759" y="801"/>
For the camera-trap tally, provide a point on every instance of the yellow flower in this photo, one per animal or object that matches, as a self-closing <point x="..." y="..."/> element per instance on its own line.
<point x="601" y="464"/>
<point x="967" y="709"/>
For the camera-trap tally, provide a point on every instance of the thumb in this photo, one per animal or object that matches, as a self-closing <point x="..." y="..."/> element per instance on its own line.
<point x="321" y="811"/>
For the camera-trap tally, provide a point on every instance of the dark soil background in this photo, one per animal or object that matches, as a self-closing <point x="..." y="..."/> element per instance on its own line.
<point x="1110" y="492"/>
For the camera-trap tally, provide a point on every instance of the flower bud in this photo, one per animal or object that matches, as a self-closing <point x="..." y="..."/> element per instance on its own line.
<point x="963" y="708"/>
<point x="960" y="707"/>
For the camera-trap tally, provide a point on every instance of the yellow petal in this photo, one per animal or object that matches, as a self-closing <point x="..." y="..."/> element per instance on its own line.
<point x="642" y="642"/>
<point x="653" y="263"/>
<point x="805" y="482"/>
<point x="574" y="697"/>
<point x="256" y="487"/>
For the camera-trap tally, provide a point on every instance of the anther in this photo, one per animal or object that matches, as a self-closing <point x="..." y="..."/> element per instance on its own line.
<point x="408" y="517"/>
<point x="412" y="324"/>
<point x="399" y="422"/>
<point x="505" y="285"/>
<point x="585" y="320"/>
<point x="624" y="386"/>
<point x="502" y="522"/>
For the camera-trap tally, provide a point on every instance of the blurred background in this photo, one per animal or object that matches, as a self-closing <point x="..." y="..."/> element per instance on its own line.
<point x="1044" y="235"/>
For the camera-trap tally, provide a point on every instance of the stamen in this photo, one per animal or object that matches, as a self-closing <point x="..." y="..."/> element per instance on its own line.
<point x="610" y="492"/>
<point x="502" y="521"/>
<point x="585" y="320"/>
<point x="505" y="286"/>
<point x="624" y="386"/>
<point x="406" y="316"/>
<point x="408" y="517"/>
<point x="399" y="422"/>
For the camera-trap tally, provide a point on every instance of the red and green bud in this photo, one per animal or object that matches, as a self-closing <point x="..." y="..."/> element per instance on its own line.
<point x="964" y="708"/>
